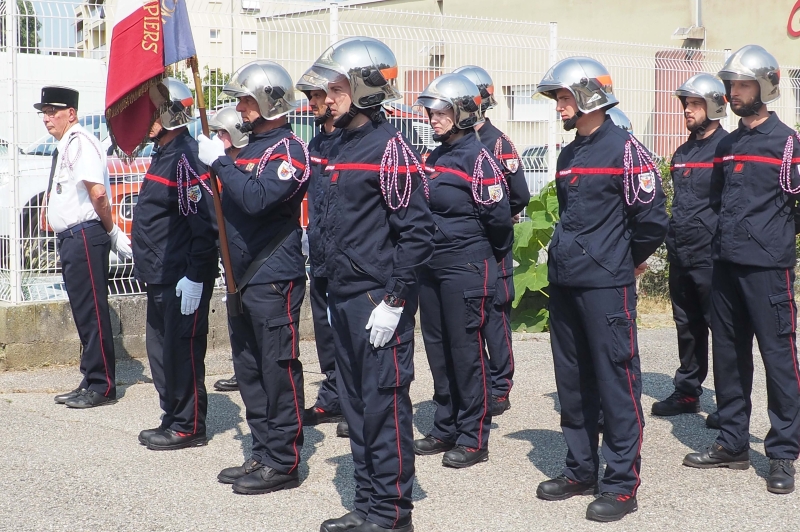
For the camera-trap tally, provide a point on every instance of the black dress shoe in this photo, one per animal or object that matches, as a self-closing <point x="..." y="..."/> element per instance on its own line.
<point x="366" y="526"/>
<point x="611" y="507"/>
<point x="316" y="415"/>
<point x="712" y="421"/>
<point x="346" y="522"/>
<point x="89" y="399"/>
<point x="145" y="435"/>
<point x="229" y="475"/>
<point x="64" y="397"/>
<point x="461" y="456"/>
<point x="343" y="430"/>
<point x="718" y="456"/>
<point x="430" y="445"/>
<point x="500" y="405"/>
<point x="265" y="480"/>
<point x="677" y="403"/>
<point x="561" y="488"/>
<point x="170" y="440"/>
<point x="227" y="385"/>
<point x="781" y="476"/>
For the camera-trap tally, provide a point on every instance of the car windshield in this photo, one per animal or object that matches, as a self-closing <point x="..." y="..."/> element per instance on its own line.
<point x="96" y="124"/>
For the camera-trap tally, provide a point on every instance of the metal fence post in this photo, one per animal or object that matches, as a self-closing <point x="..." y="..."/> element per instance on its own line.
<point x="333" y="6"/>
<point x="12" y="42"/>
<point x="552" y="122"/>
<point x="730" y="118"/>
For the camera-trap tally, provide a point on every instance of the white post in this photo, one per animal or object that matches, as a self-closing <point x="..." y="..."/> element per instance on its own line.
<point x="552" y="122"/>
<point x="333" y="6"/>
<point x="14" y="263"/>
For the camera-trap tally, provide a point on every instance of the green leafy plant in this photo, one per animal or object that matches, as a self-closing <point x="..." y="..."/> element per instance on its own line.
<point x="531" y="238"/>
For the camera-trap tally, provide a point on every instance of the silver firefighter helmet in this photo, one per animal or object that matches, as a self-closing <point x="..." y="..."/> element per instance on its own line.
<point x="230" y="120"/>
<point x="369" y="66"/>
<point x="457" y="92"/>
<point x="308" y="82"/>
<point x="620" y="119"/>
<point x="175" y="100"/>
<point x="586" y="78"/>
<point x="483" y="81"/>
<point x="708" y="87"/>
<point x="752" y="62"/>
<point x="269" y="83"/>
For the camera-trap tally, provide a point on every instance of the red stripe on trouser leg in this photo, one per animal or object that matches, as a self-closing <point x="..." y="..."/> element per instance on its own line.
<point x="791" y="340"/>
<point x="97" y="313"/>
<point x="480" y="354"/>
<point x="633" y="398"/>
<point x="397" y="432"/>
<point x="194" y="371"/>
<point x="291" y="379"/>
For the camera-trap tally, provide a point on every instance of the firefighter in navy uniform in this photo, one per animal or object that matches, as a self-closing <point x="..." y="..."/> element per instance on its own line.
<point x="469" y="202"/>
<point x="262" y="194"/>
<point x="754" y="189"/>
<point x="691" y="228"/>
<point x="498" y="327"/>
<point x="326" y="409"/>
<point x="227" y="125"/>
<point x="174" y="249"/>
<point x="79" y="212"/>
<point x="378" y="235"/>
<point x="612" y="217"/>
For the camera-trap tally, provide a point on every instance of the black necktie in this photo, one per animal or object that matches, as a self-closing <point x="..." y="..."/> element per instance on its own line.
<point x="52" y="171"/>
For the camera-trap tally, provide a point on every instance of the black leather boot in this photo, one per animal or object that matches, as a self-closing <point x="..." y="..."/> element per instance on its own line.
<point x="430" y="445"/>
<point x="461" y="456"/>
<point x="561" y="488"/>
<point x="611" y="507"/>
<point x="781" y="476"/>
<point x="718" y="456"/>
<point x="265" y="480"/>
<point x="229" y="475"/>
<point x="346" y="522"/>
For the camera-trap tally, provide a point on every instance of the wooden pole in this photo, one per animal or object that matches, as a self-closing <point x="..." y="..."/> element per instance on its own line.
<point x="230" y="283"/>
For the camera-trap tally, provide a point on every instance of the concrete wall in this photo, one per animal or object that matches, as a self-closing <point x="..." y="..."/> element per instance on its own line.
<point x="44" y="334"/>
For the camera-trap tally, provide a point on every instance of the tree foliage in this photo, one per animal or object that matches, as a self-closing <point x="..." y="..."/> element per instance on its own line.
<point x="29" y="27"/>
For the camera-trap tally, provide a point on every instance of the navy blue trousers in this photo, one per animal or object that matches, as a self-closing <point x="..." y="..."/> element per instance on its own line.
<point x="176" y="350"/>
<point x="454" y="308"/>
<point x="497" y="332"/>
<point x="747" y="302"/>
<point x="373" y="392"/>
<point x="84" y="267"/>
<point x="690" y="292"/>
<point x="265" y="341"/>
<point x="328" y="396"/>
<point x="596" y="358"/>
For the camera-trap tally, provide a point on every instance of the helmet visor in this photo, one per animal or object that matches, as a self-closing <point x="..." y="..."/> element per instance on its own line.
<point x="430" y="103"/>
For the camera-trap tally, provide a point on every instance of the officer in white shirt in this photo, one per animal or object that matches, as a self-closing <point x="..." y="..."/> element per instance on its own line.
<point x="79" y="212"/>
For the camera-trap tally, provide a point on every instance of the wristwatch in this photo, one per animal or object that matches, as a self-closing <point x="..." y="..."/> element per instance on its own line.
<point x="393" y="301"/>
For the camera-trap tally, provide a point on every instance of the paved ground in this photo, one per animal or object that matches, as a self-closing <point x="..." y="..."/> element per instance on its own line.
<point x="65" y="469"/>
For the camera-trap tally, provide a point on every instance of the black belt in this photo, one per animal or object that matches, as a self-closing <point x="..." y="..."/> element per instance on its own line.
<point x="77" y="228"/>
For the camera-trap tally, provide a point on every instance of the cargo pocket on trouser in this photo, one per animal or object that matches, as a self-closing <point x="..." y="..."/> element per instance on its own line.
<point x="622" y="327"/>
<point x="281" y="340"/>
<point x="504" y="291"/>
<point x="196" y="324"/>
<point x="785" y="311"/>
<point x="396" y="361"/>
<point x="476" y="310"/>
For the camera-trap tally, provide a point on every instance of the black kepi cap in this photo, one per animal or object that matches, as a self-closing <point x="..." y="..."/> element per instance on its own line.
<point x="58" y="97"/>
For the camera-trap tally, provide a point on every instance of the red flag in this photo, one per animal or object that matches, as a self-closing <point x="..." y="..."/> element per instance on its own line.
<point x="135" y="64"/>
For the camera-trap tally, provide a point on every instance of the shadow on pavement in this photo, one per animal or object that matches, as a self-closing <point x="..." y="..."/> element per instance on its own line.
<point x="312" y="437"/>
<point x="548" y="450"/>
<point x="343" y="479"/>
<point x="224" y="415"/>
<point x="423" y="416"/>
<point x="130" y="371"/>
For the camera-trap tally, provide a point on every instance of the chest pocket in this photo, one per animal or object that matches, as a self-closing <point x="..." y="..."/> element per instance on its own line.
<point x="573" y="214"/>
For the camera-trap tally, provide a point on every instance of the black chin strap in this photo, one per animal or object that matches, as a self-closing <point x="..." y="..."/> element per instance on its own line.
<point x="700" y="130"/>
<point x="247" y="127"/>
<point x="570" y="124"/>
<point x="749" y="110"/>
<point x="446" y="135"/>
<point x="374" y="113"/>
<point x="320" y="120"/>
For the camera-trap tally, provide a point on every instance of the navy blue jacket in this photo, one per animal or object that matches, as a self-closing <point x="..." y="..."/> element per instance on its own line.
<point x="608" y="224"/>
<point x="320" y="148"/>
<point x="371" y="243"/>
<point x="693" y="221"/>
<point x="257" y="204"/>
<point x="467" y="230"/>
<point x="756" y="215"/>
<point x="519" y="195"/>
<point x="174" y="230"/>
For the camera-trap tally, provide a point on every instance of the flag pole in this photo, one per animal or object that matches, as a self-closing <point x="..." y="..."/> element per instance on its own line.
<point x="230" y="282"/>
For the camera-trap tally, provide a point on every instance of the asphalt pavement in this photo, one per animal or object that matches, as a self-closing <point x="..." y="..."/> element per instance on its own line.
<point x="63" y="469"/>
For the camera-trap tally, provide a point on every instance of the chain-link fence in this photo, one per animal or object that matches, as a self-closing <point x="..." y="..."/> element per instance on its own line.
<point x="66" y="43"/>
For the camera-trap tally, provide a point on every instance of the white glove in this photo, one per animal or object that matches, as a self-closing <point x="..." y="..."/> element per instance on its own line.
<point x="383" y="321"/>
<point x="120" y="243"/>
<point x="210" y="149"/>
<point x="190" y="293"/>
